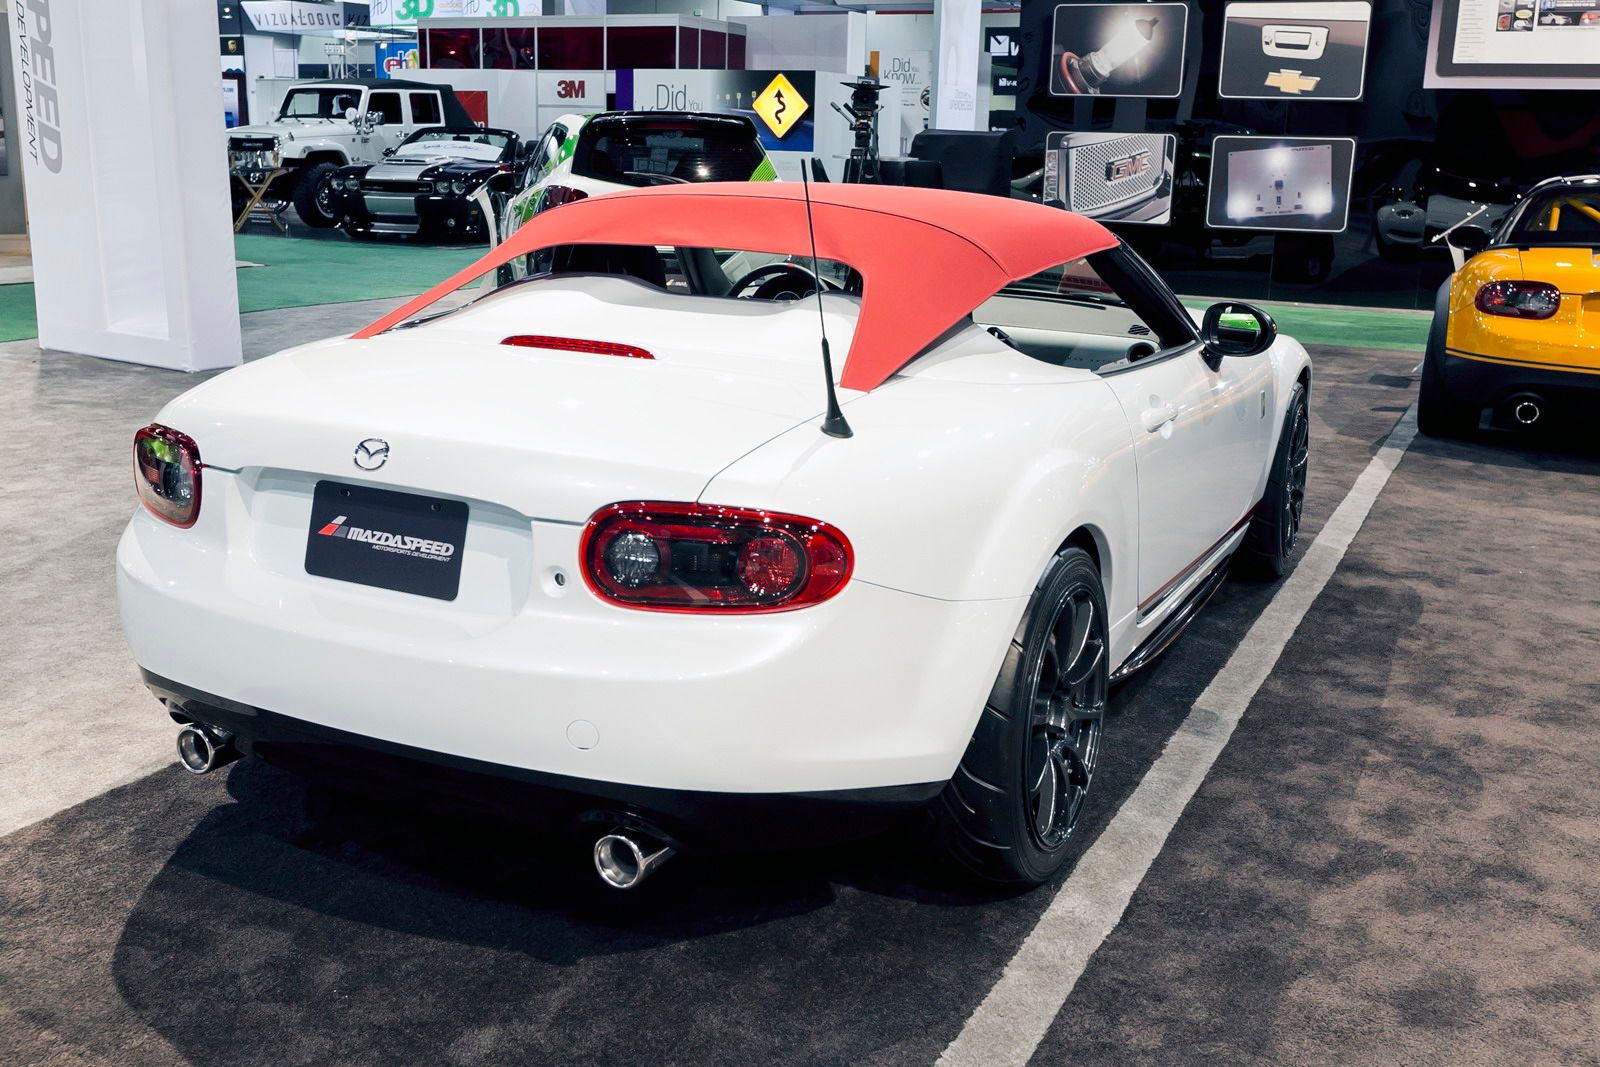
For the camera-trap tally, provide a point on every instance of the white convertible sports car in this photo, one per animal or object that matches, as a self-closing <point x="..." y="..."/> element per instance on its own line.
<point x="600" y="534"/>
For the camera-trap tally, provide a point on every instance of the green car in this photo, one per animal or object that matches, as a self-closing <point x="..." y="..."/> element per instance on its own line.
<point x="589" y="155"/>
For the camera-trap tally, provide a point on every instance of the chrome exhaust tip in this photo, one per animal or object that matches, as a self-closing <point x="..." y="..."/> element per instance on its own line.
<point x="1525" y="409"/>
<point x="202" y="749"/>
<point x="622" y="862"/>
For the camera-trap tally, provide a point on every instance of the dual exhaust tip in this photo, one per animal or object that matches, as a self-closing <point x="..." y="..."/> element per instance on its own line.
<point x="623" y="858"/>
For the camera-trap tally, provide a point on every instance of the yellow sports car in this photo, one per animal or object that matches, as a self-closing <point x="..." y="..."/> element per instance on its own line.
<point x="1516" y="329"/>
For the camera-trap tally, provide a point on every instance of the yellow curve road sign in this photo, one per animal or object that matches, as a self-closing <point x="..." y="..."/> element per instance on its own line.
<point x="780" y="105"/>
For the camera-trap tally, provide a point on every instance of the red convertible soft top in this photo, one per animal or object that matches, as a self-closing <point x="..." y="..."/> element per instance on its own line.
<point x="927" y="257"/>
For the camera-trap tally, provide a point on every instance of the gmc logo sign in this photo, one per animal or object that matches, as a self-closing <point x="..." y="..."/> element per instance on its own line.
<point x="1127" y="166"/>
<point x="569" y="89"/>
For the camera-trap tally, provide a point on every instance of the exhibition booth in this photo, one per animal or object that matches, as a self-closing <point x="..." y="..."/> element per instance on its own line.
<point x="801" y="531"/>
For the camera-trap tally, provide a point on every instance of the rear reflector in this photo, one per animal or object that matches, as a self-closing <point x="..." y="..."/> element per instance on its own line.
<point x="573" y="344"/>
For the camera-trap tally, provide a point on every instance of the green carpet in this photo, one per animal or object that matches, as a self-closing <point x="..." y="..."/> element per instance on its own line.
<point x="17" y="320"/>
<point x="297" y="273"/>
<point x="1347" y="327"/>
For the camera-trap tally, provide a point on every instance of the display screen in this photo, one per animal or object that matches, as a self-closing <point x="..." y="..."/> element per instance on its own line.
<point x="1294" y="51"/>
<point x="1529" y="44"/>
<point x="1280" y="183"/>
<point x="1112" y="177"/>
<point x="1118" y="49"/>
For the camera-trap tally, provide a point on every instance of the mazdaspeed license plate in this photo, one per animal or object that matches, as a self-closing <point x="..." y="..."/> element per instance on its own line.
<point x="399" y="541"/>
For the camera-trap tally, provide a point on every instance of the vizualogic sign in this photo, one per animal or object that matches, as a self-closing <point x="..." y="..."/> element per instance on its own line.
<point x="292" y="16"/>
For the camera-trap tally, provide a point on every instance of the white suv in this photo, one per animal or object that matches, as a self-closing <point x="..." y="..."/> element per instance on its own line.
<point x="323" y="126"/>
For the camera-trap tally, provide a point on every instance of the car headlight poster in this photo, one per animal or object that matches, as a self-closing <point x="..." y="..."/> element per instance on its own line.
<point x="1118" y="49"/>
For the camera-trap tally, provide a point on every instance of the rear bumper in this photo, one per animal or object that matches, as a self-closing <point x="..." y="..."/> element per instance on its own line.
<point x="873" y="688"/>
<point x="1476" y="382"/>
<point x="557" y="803"/>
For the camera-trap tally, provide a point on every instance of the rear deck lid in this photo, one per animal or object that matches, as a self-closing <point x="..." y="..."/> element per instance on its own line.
<point x="551" y="434"/>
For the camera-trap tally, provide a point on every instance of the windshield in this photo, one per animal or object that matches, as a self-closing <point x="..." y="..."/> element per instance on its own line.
<point x="1559" y="217"/>
<point x="480" y="138"/>
<point x="653" y="151"/>
<point x="330" y="102"/>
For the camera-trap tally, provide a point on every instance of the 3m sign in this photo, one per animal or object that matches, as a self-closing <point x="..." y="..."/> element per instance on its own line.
<point x="570" y="89"/>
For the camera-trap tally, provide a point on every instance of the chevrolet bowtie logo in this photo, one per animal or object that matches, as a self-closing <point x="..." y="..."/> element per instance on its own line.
<point x="1292" y="82"/>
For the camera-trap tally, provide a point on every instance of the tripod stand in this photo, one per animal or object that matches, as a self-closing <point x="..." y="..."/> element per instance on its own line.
<point x="862" y="115"/>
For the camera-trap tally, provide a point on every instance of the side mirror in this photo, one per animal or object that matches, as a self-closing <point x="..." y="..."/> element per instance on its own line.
<point x="387" y="152"/>
<point x="374" y="119"/>
<point x="351" y="114"/>
<point x="1233" y="329"/>
<point x="1469" y="239"/>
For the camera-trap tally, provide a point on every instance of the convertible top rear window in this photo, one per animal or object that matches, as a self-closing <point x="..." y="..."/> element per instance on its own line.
<point x="651" y="152"/>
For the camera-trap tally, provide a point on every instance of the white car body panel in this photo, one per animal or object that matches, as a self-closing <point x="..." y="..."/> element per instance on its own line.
<point x="966" y="473"/>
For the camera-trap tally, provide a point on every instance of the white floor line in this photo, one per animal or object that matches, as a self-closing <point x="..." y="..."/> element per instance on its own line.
<point x="1008" y="1026"/>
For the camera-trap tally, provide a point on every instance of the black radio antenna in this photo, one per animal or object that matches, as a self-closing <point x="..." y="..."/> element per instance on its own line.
<point x="834" y="425"/>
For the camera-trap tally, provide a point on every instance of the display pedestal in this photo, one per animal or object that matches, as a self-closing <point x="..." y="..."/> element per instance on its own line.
<point x="122" y="145"/>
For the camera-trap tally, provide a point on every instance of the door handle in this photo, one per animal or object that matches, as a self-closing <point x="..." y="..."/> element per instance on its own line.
<point x="1157" y="417"/>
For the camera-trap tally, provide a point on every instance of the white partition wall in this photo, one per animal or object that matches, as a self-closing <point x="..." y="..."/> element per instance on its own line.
<point x="958" y="30"/>
<point x="119" y="129"/>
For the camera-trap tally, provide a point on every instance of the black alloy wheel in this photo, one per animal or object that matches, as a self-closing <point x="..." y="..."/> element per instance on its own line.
<point x="1294" y="497"/>
<point x="1013" y="808"/>
<point x="1069" y="704"/>
<point x="1275" y="530"/>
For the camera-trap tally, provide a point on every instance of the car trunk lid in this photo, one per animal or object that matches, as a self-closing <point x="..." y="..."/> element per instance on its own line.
<point x="549" y="434"/>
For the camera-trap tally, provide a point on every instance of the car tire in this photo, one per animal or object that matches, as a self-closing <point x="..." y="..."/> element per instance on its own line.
<point x="309" y="203"/>
<point x="1437" y="414"/>
<point x="1275" y="530"/>
<point x="1011" y="812"/>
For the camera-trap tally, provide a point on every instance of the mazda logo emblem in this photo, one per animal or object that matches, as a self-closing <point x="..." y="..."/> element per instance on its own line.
<point x="372" y="453"/>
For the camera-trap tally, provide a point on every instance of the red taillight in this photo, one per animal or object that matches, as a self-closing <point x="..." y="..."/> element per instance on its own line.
<point x="702" y="557"/>
<point x="1519" y="300"/>
<point x="573" y="344"/>
<point x="166" y="474"/>
<point x="556" y="195"/>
